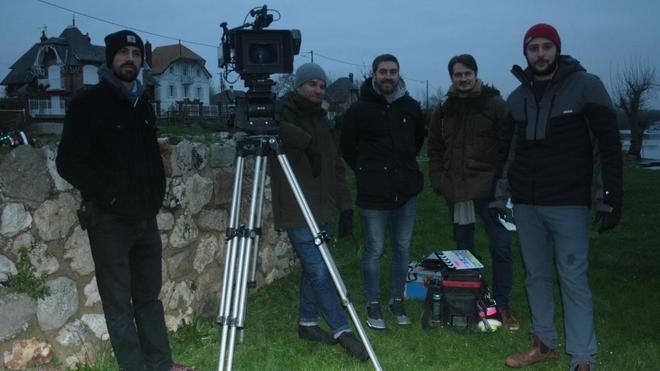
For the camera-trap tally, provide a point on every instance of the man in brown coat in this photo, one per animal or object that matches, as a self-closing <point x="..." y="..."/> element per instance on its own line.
<point x="462" y="150"/>
<point x="311" y="146"/>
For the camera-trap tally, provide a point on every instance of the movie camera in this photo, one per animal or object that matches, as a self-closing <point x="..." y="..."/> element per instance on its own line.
<point x="255" y="54"/>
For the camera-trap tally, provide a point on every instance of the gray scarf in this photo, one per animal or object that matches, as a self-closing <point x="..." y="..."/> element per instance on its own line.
<point x="108" y="76"/>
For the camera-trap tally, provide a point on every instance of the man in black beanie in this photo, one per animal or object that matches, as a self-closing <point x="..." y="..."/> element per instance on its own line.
<point x="110" y="154"/>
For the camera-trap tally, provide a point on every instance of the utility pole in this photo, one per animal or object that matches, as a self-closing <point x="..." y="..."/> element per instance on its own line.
<point x="427" y="94"/>
<point x="312" y="54"/>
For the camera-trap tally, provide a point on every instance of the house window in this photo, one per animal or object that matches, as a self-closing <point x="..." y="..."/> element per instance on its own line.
<point x="199" y="93"/>
<point x="90" y="77"/>
<point x="185" y="70"/>
<point x="54" y="77"/>
<point x="198" y="73"/>
<point x="185" y="91"/>
<point x="172" y="91"/>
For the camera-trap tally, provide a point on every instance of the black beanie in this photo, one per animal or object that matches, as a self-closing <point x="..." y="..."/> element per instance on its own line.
<point x="118" y="40"/>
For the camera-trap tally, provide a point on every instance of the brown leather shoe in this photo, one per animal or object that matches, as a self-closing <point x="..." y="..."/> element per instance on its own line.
<point x="584" y="366"/>
<point x="508" y="320"/>
<point x="531" y="356"/>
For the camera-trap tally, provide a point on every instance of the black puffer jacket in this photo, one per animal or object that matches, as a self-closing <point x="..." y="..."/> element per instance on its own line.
<point x="463" y="143"/>
<point x="558" y="142"/>
<point x="110" y="154"/>
<point x="380" y="142"/>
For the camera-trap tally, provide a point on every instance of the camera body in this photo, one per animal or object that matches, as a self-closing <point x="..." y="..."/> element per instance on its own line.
<point x="265" y="51"/>
<point x="255" y="54"/>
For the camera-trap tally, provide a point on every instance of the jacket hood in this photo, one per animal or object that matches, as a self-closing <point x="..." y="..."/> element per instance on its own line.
<point x="370" y="91"/>
<point x="566" y="65"/>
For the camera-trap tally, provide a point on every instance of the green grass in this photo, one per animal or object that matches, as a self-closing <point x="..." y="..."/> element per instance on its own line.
<point x="623" y="274"/>
<point x="178" y="131"/>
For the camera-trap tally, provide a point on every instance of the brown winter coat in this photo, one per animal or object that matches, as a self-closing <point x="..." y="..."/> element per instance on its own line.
<point x="303" y="125"/>
<point x="463" y="143"/>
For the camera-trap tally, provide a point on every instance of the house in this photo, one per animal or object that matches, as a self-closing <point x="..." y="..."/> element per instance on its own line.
<point x="341" y="94"/>
<point x="52" y="70"/>
<point x="226" y="103"/>
<point x="182" y="81"/>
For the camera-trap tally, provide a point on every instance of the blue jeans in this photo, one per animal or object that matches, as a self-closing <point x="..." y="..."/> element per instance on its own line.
<point x="374" y="225"/>
<point x="317" y="291"/>
<point x="500" y="249"/>
<point x="562" y="231"/>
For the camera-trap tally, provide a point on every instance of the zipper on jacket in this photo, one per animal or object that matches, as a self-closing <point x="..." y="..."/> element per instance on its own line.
<point x="547" y="119"/>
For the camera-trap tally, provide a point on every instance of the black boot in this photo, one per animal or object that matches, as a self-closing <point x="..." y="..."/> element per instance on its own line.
<point x="315" y="333"/>
<point x="353" y="346"/>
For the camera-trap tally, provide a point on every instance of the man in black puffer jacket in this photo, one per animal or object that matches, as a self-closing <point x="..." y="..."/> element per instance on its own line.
<point x="110" y="154"/>
<point x="381" y="136"/>
<point x="561" y="131"/>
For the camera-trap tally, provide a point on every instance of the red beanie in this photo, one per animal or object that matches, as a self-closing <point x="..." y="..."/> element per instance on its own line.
<point x="542" y="30"/>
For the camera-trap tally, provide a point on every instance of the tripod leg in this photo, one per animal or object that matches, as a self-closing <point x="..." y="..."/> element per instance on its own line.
<point x="245" y="246"/>
<point x="254" y="251"/>
<point x="325" y="253"/>
<point x="232" y="237"/>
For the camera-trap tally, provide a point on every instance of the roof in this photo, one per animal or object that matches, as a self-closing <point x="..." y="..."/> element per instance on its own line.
<point x="340" y="90"/>
<point x="74" y="49"/>
<point x="163" y="56"/>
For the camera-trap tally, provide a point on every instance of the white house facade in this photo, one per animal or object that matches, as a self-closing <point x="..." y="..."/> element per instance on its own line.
<point x="180" y="76"/>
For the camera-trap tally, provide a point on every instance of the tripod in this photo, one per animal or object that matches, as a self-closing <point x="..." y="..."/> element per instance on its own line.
<point x="243" y="243"/>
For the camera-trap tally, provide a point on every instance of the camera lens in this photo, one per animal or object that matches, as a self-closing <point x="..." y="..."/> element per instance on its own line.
<point x="262" y="54"/>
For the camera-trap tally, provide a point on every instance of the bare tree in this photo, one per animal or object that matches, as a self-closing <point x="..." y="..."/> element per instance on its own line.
<point x="633" y="85"/>
<point x="284" y="83"/>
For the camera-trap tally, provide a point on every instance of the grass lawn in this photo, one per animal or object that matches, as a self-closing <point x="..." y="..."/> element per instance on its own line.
<point x="624" y="279"/>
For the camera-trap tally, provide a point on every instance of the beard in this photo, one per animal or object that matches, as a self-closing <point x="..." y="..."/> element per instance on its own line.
<point x="386" y="86"/>
<point x="126" y="73"/>
<point x="550" y="68"/>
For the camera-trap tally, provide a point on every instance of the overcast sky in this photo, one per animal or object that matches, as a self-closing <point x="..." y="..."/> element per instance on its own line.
<point x="603" y="34"/>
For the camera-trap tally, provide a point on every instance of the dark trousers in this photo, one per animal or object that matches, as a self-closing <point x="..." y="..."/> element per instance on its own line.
<point x="127" y="257"/>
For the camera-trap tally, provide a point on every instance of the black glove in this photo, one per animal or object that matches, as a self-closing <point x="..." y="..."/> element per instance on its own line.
<point x="345" y="223"/>
<point x="608" y="219"/>
<point x="314" y="158"/>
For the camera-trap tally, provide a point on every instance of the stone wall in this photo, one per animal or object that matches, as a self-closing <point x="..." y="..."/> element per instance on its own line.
<point x="39" y="213"/>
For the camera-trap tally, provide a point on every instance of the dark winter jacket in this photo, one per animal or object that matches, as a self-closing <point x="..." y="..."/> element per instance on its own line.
<point x="304" y="129"/>
<point x="559" y="142"/>
<point x="380" y="142"/>
<point x="463" y="143"/>
<point x="110" y="154"/>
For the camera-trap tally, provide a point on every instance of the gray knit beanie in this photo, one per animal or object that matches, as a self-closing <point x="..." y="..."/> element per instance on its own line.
<point x="309" y="71"/>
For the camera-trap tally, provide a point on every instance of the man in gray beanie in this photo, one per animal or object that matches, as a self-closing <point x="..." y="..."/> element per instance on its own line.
<point x="110" y="154"/>
<point x="311" y="145"/>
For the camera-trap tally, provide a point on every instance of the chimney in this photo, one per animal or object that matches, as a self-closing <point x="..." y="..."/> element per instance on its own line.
<point x="43" y="37"/>
<point x="147" y="53"/>
<point x="87" y="37"/>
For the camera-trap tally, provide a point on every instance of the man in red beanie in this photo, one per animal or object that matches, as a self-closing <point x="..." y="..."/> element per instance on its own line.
<point x="560" y="132"/>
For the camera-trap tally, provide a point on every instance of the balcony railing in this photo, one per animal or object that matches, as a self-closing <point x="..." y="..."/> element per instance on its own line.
<point x="44" y="107"/>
